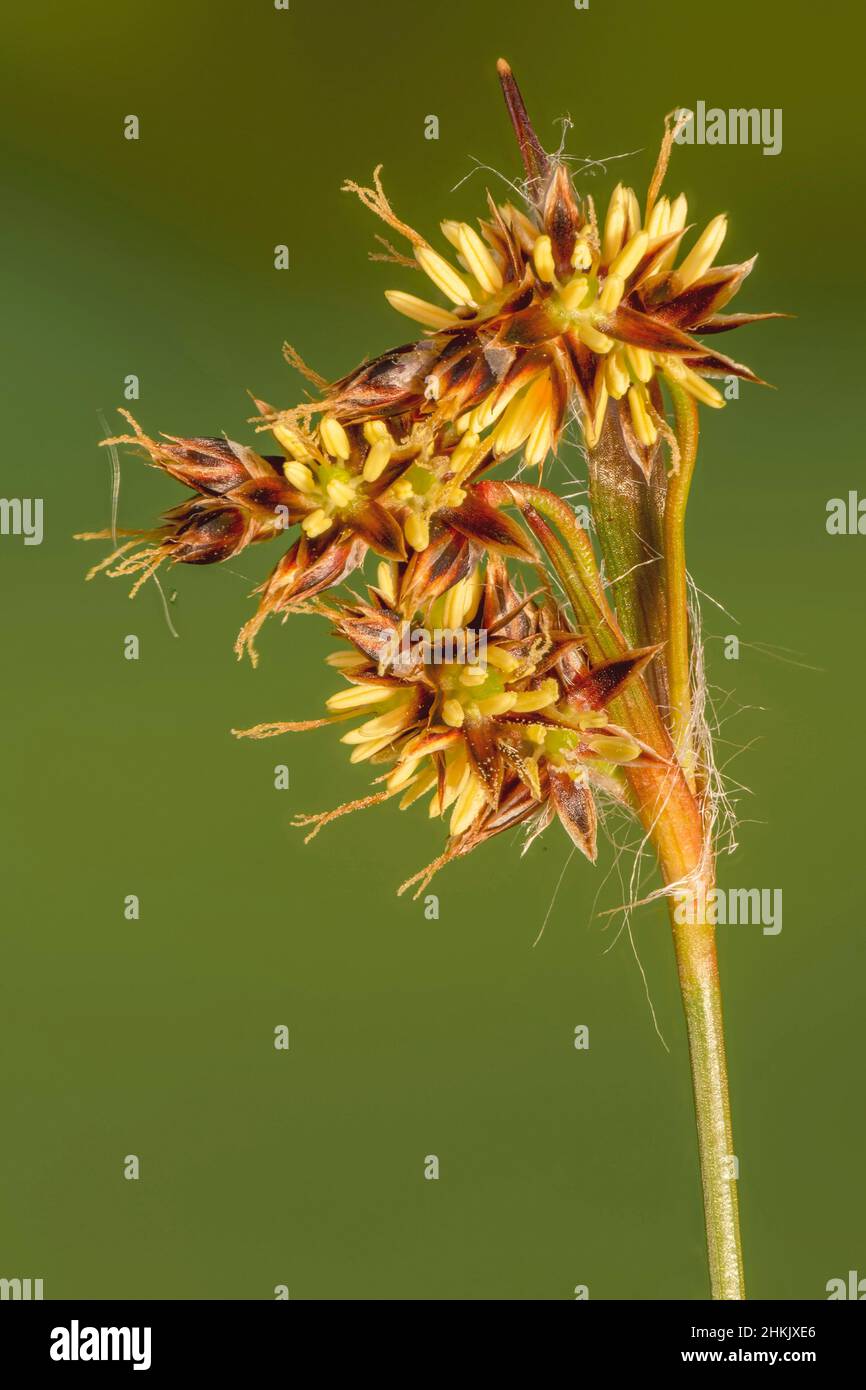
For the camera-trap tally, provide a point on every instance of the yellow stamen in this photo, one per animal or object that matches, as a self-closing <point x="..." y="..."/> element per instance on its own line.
<point x="633" y="217"/>
<point x="519" y="419"/>
<point x="299" y="475"/>
<point x="464" y="451"/>
<point x="679" y="213"/>
<point x="425" y="781"/>
<point x="692" y="382"/>
<point x="357" y="697"/>
<point x="614" y="225"/>
<point x="630" y="255"/>
<point x="368" y="749"/>
<point x="676" y="222"/>
<point x="643" y="425"/>
<point x="640" y="362"/>
<point x="528" y="701"/>
<point x="392" y="722"/>
<point x="612" y="292"/>
<point x="597" y="342"/>
<point x="542" y="256"/>
<point x="334" y="437"/>
<point x="479" y="261"/>
<point x="420" y="310"/>
<point x="702" y="254"/>
<point x="497" y="704"/>
<point x="402" y="773"/>
<point x="347" y="661"/>
<point x="377" y="460"/>
<point x="616" y="748"/>
<point x="592" y="427"/>
<point x="290" y="441"/>
<point x="659" y="218"/>
<point x="387" y="581"/>
<point x="341" y="493"/>
<point x="540" y="441"/>
<point x="469" y="803"/>
<point x="402" y="490"/>
<point x="460" y="601"/>
<point x="574" y="293"/>
<point x="374" y="430"/>
<point x="416" y="529"/>
<point x="443" y="275"/>
<point x="316" y="523"/>
<point x="503" y="660"/>
<point x="453" y="713"/>
<point x="616" y="376"/>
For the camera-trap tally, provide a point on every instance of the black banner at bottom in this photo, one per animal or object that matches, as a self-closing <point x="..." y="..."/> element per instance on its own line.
<point x="152" y="1338"/>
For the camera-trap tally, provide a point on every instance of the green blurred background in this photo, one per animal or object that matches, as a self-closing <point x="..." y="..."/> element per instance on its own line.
<point x="408" y="1037"/>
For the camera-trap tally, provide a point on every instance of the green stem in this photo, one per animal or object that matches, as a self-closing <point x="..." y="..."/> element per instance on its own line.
<point x="676" y="576"/>
<point x="695" y="947"/>
<point x="672" y="818"/>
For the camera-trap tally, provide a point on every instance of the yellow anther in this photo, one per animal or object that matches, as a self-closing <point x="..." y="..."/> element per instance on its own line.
<point x="614" y="225"/>
<point x="478" y="259"/>
<point x="702" y="254"/>
<point x="420" y="310"/>
<point x="521" y="416"/>
<point x="416" y="529"/>
<point x="540" y="440"/>
<point x="386" y="581"/>
<point x="316" y="523"/>
<point x="527" y="701"/>
<point x="357" y="697"/>
<point x="334" y="437"/>
<point x="542" y="256"/>
<point x="464" y="451"/>
<point x="299" y="475"/>
<point x="502" y="659"/>
<point x="640" y="362"/>
<point x="633" y="217"/>
<point x="443" y="275"/>
<point x="453" y="713"/>
<point x="643" y="425"/>
<point x="616" y="376"/>
<point x="616" y="748"/>
<point x="341" y="493"/>
<point x="401" y="491"/>
<point x="374" y="430"/>
<point x="592" y="424"/>
<point x="612" y="292"/>
<point x="659" y="218"/>
<point x="497" y="704"/>
<point x="630" y="256"/>
<point x="692" y="382"/>
<point x="597" y="342"/>
<point x="377" y="460"/>
<point x="469" y="803"/>
<point x="574" y="293"/>
<point x="347" y="661"/>
<point x="368" y="748"/>
<point x="290" y="441"/>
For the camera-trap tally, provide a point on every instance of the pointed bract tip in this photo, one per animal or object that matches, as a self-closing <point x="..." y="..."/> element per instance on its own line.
<point x="535" y="160"/>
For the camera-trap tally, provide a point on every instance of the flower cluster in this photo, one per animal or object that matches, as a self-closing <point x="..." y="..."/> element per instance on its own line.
<point x="546" y="313"/>
<point x="483" y="700"/>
